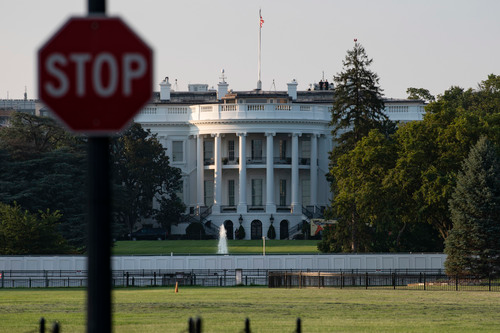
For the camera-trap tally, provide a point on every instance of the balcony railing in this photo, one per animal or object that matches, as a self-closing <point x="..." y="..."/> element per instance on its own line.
<point x="255" y="208"/>
<point x="228" y="209"/>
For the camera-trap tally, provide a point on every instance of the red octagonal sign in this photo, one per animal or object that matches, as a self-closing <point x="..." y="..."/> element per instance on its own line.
<point x="95" y="74"/>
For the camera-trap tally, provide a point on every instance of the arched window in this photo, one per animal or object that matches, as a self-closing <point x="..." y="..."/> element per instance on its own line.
<point x="229" y="229"/>
<point x="256" y="229"/>
<point x="284" y="229"/>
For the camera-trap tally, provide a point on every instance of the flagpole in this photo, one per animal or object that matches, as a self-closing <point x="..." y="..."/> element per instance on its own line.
<point x="259" y="82"/>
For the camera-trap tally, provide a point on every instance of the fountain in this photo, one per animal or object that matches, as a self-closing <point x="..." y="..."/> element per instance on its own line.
<point x="222" y="247"/>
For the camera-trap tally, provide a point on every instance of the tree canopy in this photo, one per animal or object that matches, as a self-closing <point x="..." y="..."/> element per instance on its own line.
<point x="473" y="245"/>
<point x="357" y="109"/>
<point x="418" y="178"/>
<point x="141" y="175"/>
<point x="24" y="233"/>
<point x="358" y="106"/>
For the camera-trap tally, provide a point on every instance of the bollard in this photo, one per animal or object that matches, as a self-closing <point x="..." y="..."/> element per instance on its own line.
<point x="299" y="326"/>
<point x="55" y="327"/>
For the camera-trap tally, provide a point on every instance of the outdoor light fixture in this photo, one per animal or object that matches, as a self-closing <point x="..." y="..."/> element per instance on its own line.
<point x="240" y="219"/>
<point x="271" y="219"/>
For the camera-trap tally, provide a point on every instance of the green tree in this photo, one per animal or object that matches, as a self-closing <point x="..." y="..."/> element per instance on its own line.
<point x="44" y="167"/>
<point x="141" y="174"/>
<point x="271" y="232"/>
<point x="24" y="233"/>
<point x="430" y="152"/>
<point x="361" y="204"/>
<point x="328" y="243"/>
<point x="473" y="245"/>
<point x="28" y="135"/>
<point x="52" y="180"/>
<point x="358" y="106"/>
<point x="420" y="93"/>
<point x="240" y="232"/>
<point x="170" y="212"/>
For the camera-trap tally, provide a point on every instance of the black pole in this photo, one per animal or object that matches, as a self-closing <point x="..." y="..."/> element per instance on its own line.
<point x="247" y="325"/>
<point x="96" y="7"/>
<point x="99" y="238"/>
<point x="42" y="325"/>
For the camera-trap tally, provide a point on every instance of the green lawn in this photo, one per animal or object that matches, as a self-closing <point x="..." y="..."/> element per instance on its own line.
<point x="210" y="247"/>
<point x="269" y="310"/>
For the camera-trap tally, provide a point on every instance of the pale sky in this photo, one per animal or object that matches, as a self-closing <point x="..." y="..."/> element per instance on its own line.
<point x="434" y="44"/>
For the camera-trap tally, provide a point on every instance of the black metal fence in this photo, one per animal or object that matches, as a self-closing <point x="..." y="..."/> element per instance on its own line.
<point x="383" y="279"/>
<point x="134" y="278"/>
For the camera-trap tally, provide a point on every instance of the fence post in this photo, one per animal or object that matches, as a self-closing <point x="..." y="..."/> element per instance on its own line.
<point x="366" y="280"/>
<point x="489" y="282"/>
<point x="425" y="282"/>
<point x="191" y="327"/>
<point x="126" y="277"/>
<point x="154" y="278"/>
<point x="55" y="327"/>
<point x="247" y="325"/>
<point x="42" y="325"/>
<point x="319" y="280"/>
<point x="2" y="277"/>
<point x="198" y="325"/>
<point x="456" y="282"/>
<point x="394" y="280"/>
<point x="299" y="326"/>
<point x="46" y="278"/>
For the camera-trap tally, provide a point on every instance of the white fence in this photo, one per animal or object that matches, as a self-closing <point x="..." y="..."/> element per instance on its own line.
<point x="312" y="262"/>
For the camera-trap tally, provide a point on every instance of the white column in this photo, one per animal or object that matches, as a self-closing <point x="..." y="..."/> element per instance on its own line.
<point x="314" y="170"/>
<point x="295" y="173"/>
<point x="200" y="170"/>
<point x="242" y="204"/>
<point x="217" y="174"/>
<point x="270" y="205"/>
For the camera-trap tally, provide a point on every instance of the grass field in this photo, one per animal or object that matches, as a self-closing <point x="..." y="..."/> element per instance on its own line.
<point x="210" y="247"/>
<point x="269" y="310"/>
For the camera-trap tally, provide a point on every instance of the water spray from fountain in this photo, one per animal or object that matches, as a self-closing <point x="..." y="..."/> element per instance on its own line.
<point x="222" y="247"/>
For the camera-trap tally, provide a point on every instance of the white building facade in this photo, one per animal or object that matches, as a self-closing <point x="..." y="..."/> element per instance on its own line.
<point x="251" y="158"/>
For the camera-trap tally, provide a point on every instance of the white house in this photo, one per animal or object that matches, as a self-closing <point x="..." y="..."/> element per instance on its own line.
<point x="253" y="158"/>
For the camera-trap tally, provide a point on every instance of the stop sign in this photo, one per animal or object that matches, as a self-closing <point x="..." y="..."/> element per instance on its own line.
<point x="95" y="74"/>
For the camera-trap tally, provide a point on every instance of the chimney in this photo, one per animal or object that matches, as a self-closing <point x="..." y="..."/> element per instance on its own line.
<point x="165" y="89"/>
<point x="292" y="89"/>
<point x="222" y="86"/>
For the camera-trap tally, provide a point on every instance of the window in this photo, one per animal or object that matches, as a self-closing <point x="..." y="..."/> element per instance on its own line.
<point x="282" y="192"/>
<point x="208" y="152"/>
<point x="230" y="192"/>
<point x="306" y="149"/>
<point x="256" y="149"/>
<point x="230" y="150"/>
<point x="282" y="150"/>
<point x="209" y="192"/>
<point x="177" y="151"/>
<point x="306" y="192"/>
<point x="256" y="192"/>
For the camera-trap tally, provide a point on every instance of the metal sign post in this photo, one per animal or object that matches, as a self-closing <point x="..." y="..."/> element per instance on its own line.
<point x="95" y="74"/>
